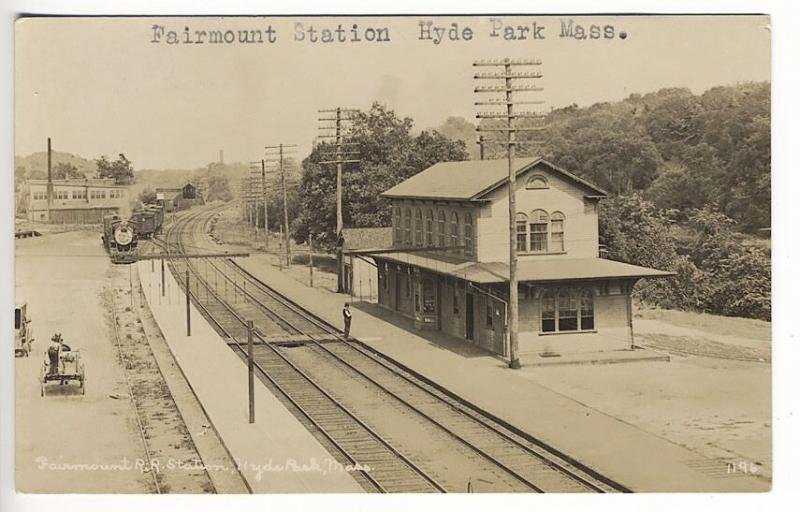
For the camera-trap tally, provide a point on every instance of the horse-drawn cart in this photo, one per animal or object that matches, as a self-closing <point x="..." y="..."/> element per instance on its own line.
<point x="69" y="368"/>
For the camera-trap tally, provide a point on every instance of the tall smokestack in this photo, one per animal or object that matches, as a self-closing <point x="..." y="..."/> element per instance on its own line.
<point x="49" y="179"/>
<point x="221" y="160"/>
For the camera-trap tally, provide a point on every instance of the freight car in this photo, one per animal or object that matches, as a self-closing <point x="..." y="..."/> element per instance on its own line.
<point x="148" y="221"/>
<point x="119" y="239"/>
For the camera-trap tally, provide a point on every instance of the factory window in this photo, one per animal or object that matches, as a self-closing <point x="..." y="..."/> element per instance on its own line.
<point x="398" y="225"/>
<point x="62" y="194"/>
<point x="407" y="219"/>
<point x="79" y="194"/>
<point x="469" y="245"/>
<point x="538" y="223"/>
<point x="454" y="230"/>
<point x="557" y="232"/>
<point x="537" y="183"/>
<point x="418" y="228"/>
<point x="548" y="311"/>
<point x="522" y="232"/>
<point x="442" y="224"/>
<point x="587" y="310"/>
<point x="429" y="228"/>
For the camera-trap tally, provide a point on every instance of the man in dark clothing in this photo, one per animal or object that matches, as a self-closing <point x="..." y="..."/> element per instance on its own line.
<point x="348" y="317"/>
<point x="52" y="354"/>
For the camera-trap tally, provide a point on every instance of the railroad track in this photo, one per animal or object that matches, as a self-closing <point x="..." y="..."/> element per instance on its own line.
<point x="344" y="387"/>
<point x="166" y="442"/>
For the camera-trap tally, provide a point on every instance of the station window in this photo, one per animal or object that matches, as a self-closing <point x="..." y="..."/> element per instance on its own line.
<point x="469" y="245"/>
<point x="539" y="221"/>
<point x="429" y="228"/>
<point x="418" y="227"/>
<point x="407" y="237"/>
<point x="398" y="225"/>
<point x="522" y="232"/>
<point x="567" y="309"/>
<point x="557" y="232"/>
<point x="454" y="229"/>
<point x="428" y="296"/>
<point x="442" y="226"/>
<point x="537" y="183"/>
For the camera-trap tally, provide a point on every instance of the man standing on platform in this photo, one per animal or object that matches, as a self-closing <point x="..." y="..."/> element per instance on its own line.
<point x="348" y="317"/>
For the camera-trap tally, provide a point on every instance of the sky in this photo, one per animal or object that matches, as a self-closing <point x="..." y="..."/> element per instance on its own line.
<point x="102" y="86"/>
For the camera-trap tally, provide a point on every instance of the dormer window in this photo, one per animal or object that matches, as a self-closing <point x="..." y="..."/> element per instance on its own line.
<point x="537" y="182"/>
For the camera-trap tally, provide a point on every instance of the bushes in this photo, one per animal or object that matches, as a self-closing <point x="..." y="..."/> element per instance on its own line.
<point x="718" y="274"/>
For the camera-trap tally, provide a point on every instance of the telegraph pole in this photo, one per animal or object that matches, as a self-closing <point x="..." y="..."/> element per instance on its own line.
<point x="279" y="160"/>
<point x="253" y="165"/>
<point x="510" y="128"/>
<point x="340" y="156"/>
<point x="49" y="181"/>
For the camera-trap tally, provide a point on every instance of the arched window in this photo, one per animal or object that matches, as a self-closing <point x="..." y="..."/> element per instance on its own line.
<point x="407" y="238"/>
<point x="557" y="232"/>
<point x="398" y="225"/>
<point x="442" y="229"/>
<point x="429" y="228"/>
<point x="587" y="309"/>
<point x="454" y="229"/>
<point x="537" y="182"/>
<point x="548" y="311"/>
<point x="418" y="228"/>
<point x="538" y="223"/>
<point x="469" y="245"/>
<point x="522" y="232"/>
<point x="567" y="310"/>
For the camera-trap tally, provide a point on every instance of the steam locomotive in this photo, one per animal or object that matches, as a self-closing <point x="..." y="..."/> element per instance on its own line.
<point x="121" y="237"/>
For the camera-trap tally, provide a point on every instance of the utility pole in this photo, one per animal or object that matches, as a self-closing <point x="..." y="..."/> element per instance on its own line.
<point x="263" y="194"/>
<point x="341" y="155"/>
<point x="281" y="150"/>
<point x="507" y="77"/>
<point x="49" y="181"/>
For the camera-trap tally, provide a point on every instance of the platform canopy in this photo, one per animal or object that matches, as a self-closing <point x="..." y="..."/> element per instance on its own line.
<point x="528" y="270"/>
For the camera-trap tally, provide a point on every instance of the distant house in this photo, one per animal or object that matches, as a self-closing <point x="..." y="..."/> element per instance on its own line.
<point x="449" y="270"/>
<point x="359" y="271"/>
<point x="74" y="201"/>
<point x="179" y="198"/>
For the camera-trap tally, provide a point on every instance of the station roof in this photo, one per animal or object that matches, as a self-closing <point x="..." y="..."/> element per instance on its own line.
<point x="533" y="271"/>
<point x="366" y="238"/>
<point x="471" y="180"/>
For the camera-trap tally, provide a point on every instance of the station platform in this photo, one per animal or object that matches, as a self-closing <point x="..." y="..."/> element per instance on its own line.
<point x="638" y="459"/>
<point x="276" y="454"/>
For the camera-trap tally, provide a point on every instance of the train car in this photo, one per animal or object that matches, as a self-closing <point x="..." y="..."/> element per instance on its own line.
<point x="158" y="212"/>
<point x="148" y="221"/>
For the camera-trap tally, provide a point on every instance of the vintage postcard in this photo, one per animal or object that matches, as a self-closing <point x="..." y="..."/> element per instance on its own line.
<point x="393" y="254"/>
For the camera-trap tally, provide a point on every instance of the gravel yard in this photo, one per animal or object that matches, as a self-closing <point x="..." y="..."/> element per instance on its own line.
<point x="713" y="397"/>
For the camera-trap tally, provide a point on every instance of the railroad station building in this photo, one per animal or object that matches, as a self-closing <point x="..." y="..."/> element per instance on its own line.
<point x="75" y="201"/>
<point x="179" y="198"/>
<point x="448" y="265"/>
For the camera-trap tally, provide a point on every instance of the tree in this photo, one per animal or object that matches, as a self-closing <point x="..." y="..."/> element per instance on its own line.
<point x="389" y="154"/>
<point x="147" y="196"/>
<point x="120" y="169"/>
<point x="218" y="188"/>
<point x="65" y="171"/>
<point x="635" y="231"/>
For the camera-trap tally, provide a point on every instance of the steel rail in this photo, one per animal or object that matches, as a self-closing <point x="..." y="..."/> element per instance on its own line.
<point x="311" y="318"/>
<point x="308" y="379"/>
